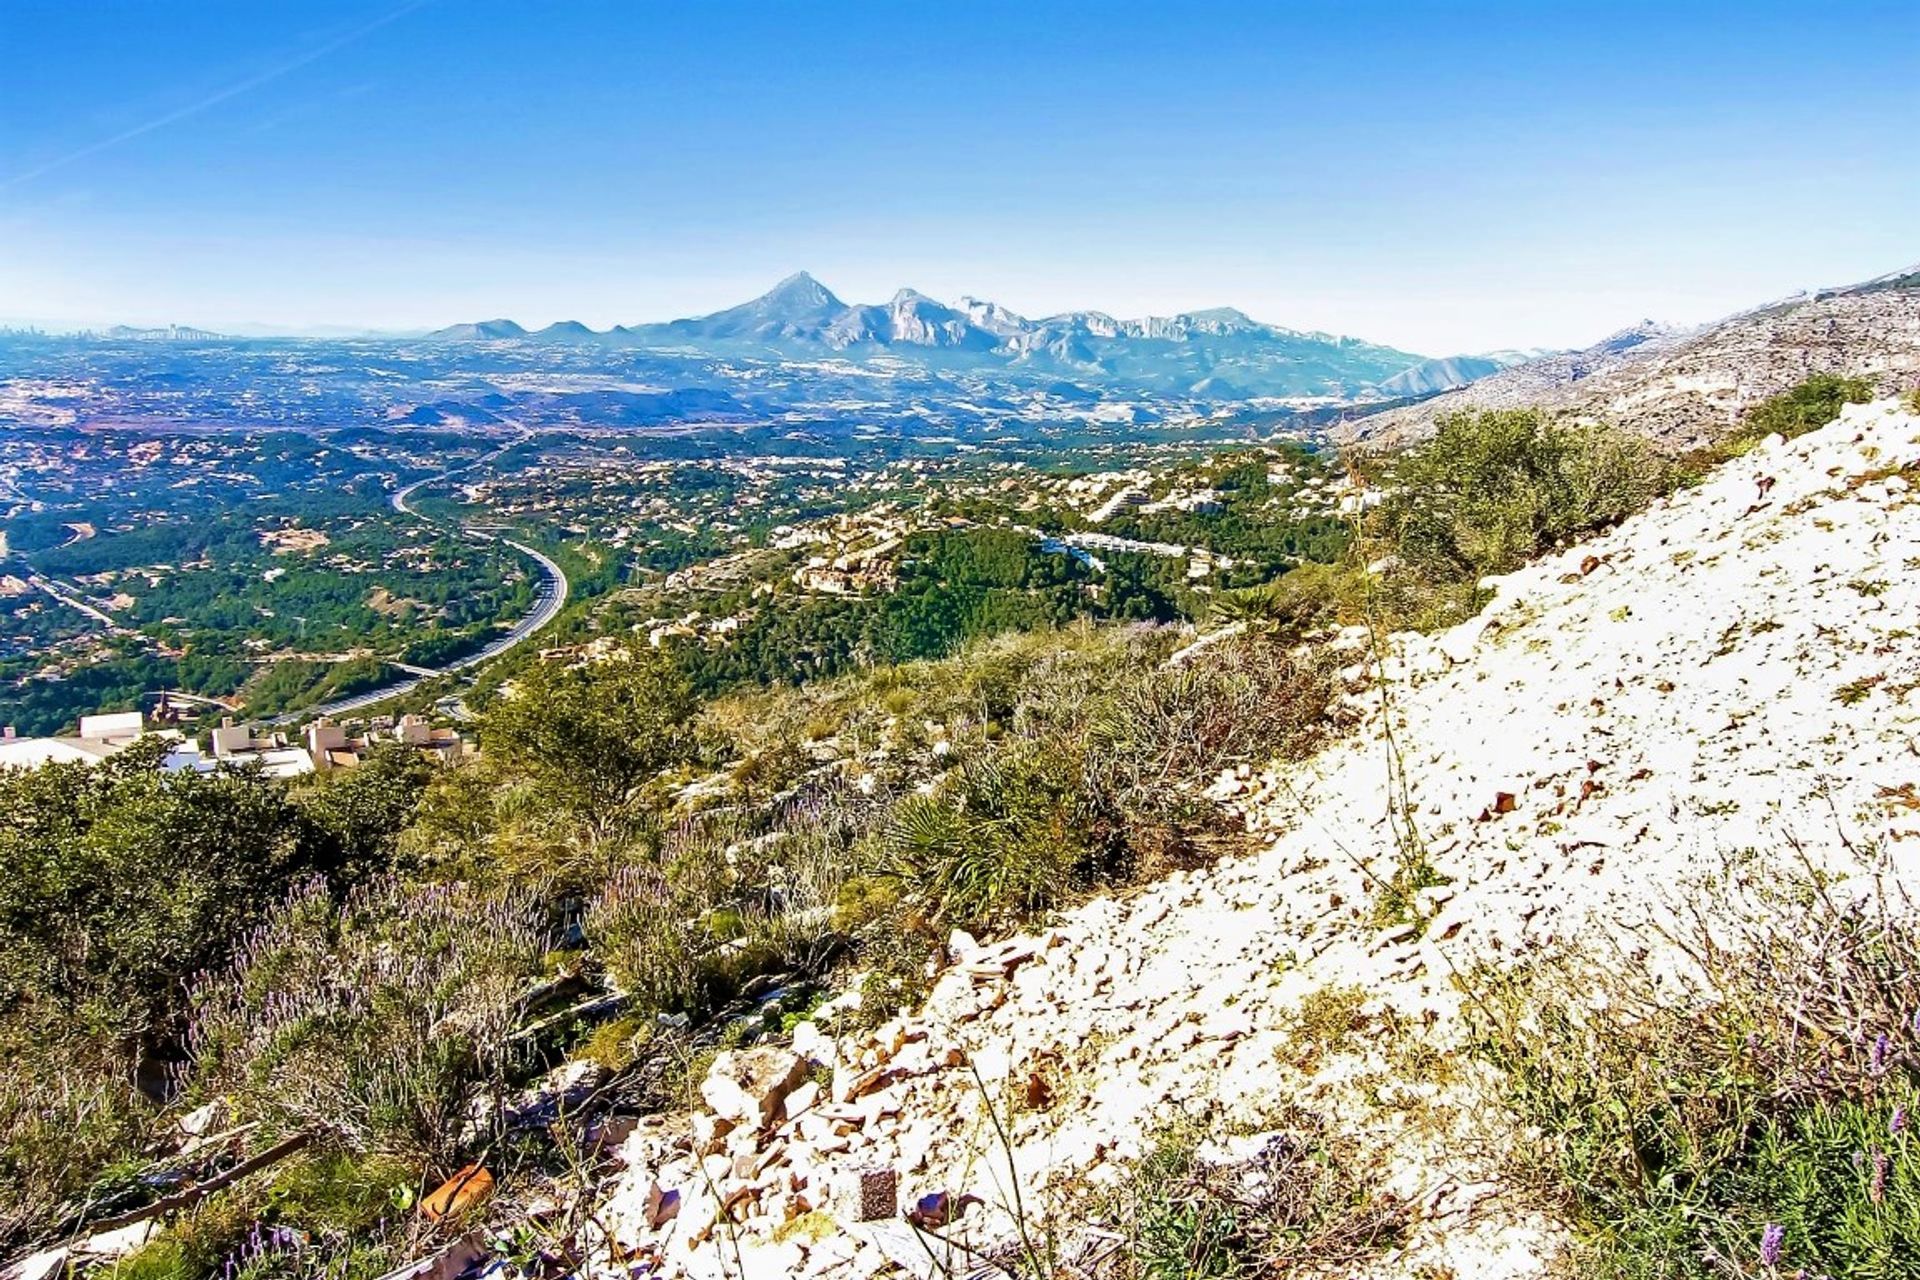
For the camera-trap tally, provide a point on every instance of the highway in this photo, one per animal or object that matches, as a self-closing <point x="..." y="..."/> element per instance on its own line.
<point x="73" y="602"/>
<point x="546" y="607"/>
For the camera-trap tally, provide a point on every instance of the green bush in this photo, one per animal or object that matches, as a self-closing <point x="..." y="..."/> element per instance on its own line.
<point x="1491" y="490"/>
<point x="119" y="882"/>
<point x="1213" y="1202"/>
<point x="1154" y="737"/>
<point x="582" y="742"/>
<point x="67" y="1118"/>
<point x="1305" y="599"/>
<point x="1807" y="407"/>
<point x="377" y="1021"/>
<point x="994" y="843"/>
<point x="725" y="901"/>
<point x="1494" y="490"/>
<point x="1768" y="1097"/>
<point x="325" y="1215"/>
<point x="361" y="812"/>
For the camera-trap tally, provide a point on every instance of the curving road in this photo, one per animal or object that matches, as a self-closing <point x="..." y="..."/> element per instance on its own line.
<point x="552" y="598"/>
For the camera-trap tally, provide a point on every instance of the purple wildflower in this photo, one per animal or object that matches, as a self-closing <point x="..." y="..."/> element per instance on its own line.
<point x="1877" y="1189"/>
<point x="1899" y="1121"/>
<point x="1771" y="1241"/>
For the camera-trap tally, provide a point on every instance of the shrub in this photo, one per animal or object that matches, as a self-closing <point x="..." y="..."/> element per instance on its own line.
<point x="1305" y="599"/>
<point x="338" y="1207"/>
<point x="1155" y="734"/>
<point x="326" y="1215"/>
<point x="1806" y="407"/>
<point x="649" y="928"/>
<point x="584" y="741"/>
<point x="119" y="882"/>
<point x="1207" y="1203"/>
<point x="994" y="843"/>
<point x="724" y="902"/>
<point x="360" y="812"/>
<point x="1765" y="1098"/>
<point x="1493" y="489"/>
<point x="66" y="1118"/>
<point x="378" y="1021"/>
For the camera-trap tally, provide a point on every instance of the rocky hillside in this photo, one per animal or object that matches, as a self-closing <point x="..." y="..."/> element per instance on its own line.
<point x="1722" y="676"/>
<point x="1684" y="387"/>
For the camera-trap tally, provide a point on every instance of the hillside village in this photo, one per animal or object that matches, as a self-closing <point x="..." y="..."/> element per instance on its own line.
<point x="320" y="746"/>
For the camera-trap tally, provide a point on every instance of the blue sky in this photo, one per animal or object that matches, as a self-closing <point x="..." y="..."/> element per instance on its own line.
<point x="1445" y="177"/>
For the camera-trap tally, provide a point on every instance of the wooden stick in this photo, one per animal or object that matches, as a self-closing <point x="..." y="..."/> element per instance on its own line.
<point x="181" y="1199"/>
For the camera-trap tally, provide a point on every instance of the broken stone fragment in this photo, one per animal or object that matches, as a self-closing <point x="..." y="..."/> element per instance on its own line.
<point x="50" y="1264"/>
<point x="710" y="1133"/>
<point x="456" y="1259"/>
<point x="564" y="1091"/>
<point x="201" y="1121"/>
<point x="802" y="1099"/>
<point x="848" y="1085"/>
<point x="662" y="1205"/>
<point x="121" y="1241"/>
<point x="747" y="1086"/>
<point x="867" y="1195"/>
<point x="813" y="1044"/>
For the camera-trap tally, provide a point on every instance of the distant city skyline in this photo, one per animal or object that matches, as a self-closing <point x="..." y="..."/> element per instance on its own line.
<point x="1440" y="178"/>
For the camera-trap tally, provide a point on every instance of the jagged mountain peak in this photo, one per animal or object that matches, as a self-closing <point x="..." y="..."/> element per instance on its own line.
<point x="801" y="288"/>
<point x="991" y="316"/>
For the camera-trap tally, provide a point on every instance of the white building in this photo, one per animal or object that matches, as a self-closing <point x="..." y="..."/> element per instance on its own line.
<point x="100" y="737"/>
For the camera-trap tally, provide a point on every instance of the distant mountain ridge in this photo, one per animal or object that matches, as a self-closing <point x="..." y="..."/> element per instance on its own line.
<point x="1431" y="377"/>
<point x="1219" y="353"/>
<point x="1682" y="386"/>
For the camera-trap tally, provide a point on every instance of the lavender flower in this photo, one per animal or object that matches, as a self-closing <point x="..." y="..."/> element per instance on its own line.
<point x="1771" y="1241"/>
<point x="1877" y="1189"/>
<point x="1877" y="1058"/>
<point x="1899" y="1120"/>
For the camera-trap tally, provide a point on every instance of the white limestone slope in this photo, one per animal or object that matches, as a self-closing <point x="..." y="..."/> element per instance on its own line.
<point x="1725" y="674"/>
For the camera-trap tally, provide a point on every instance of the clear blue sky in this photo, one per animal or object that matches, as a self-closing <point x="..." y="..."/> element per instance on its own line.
<point x="1445" y="177"/>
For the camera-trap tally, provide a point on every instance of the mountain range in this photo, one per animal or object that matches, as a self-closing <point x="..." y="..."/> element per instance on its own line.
<point x="1220" y="354"/>
<point x="1682" y="386"/>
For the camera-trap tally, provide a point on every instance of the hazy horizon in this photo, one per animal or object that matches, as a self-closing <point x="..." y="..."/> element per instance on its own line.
<point x="1442" y="180"/>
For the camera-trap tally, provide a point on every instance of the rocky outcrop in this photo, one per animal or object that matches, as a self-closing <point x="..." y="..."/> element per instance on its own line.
<point x="1683" y="388"/>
